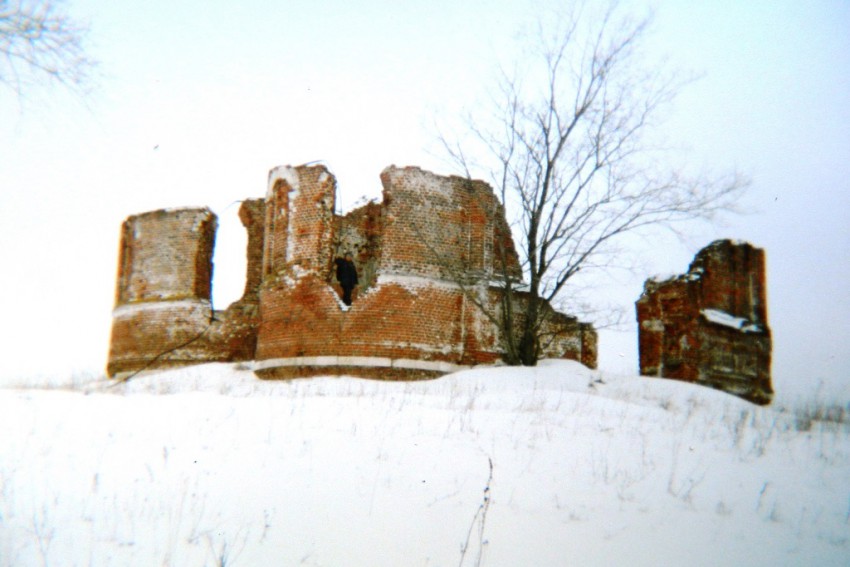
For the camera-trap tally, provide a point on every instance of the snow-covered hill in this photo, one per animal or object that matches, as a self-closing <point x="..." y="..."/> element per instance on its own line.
<point x="555" y="465"/>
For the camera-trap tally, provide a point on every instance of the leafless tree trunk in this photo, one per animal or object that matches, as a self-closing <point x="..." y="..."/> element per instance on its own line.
<point x="567" y="152"/>
<point x="39" y="43"/>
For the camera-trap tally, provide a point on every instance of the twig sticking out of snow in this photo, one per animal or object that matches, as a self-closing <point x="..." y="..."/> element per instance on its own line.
<point x="481" y="512"/>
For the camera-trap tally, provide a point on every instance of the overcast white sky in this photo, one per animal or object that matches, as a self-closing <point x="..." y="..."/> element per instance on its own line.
<point x="198" y="100"/>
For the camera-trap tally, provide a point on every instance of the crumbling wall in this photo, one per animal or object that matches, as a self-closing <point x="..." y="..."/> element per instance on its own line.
<point x="709" y="326"/>
<point x="299" y="222"/>
<point x="360" y="232"/>
<point x="163" y="292"/>
<point x="563" y="336"/>
<point x="252" y="213"/>
<point x="448" y="228"/>
<point x="163" y="313"/>
<point x="166" y="255"/>
<point x="427" y="257"/>
<point x="418" y="252"/>
<point x="402" y="313"/>
<point x="234" y="331"/>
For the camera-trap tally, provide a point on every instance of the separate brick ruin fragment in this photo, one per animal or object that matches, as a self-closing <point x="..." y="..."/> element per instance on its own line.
<point x="709" y="326"/>
<point x="429" y="257"/>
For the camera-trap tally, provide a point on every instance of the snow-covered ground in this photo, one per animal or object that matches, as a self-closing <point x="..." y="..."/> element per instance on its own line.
<point x="555" y="465"/>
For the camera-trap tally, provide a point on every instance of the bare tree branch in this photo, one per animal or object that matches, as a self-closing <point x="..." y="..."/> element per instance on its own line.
<point x="572" y="163"/>
<point x="40" y="43"/>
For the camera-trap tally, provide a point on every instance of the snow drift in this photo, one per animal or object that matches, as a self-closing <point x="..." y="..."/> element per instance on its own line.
<point x="554" y="465"/>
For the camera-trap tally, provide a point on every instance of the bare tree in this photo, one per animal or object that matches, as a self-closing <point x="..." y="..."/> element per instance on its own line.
<point x="568" y="149"/>
<point x="39" y="42"/>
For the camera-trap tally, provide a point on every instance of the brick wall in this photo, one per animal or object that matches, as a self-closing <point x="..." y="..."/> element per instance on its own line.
<point x="299" y="222"/>
<point x="252" y="213"/>
<point x="166" y="255"/>
<point x="709" y="326"/>
<point x="563" y="336"/>
<point x="442" y="227"/>
<point x="426" y="255"/>
<point x="429" y="235"/>
<point x="163" y="291"/>
<point x="163" y="315"/>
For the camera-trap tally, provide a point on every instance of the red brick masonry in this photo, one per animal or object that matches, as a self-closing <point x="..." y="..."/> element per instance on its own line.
<point x="429" y="257"/>
<point x="709" y="326"/>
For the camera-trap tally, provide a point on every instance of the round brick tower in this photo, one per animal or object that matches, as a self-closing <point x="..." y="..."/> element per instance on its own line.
<point x="426" y="255"/>
<point x="163" y="291"/>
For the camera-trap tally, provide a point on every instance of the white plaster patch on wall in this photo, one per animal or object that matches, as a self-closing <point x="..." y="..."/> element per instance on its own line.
<point x="654" y="325"/>
<point x="186" y="209"/>
<point x="131" y="309"/>
<point x="661" y="278"/>
<point x="414" y="283"/>
<point x="358" y="361"/>
<point x="286" y="173"/>
<point x="203" y="216"/>
<point x="420" y="179"/>
<point x="445" y="349"/>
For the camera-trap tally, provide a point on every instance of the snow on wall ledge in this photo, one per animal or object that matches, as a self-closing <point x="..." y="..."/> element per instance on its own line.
<point x="407" y="319"/>
<point x="709" y="325"/>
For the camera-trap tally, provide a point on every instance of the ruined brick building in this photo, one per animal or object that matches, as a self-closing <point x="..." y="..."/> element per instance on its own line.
<point x="430" y="257"/>
<point x="709" y="326"/>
